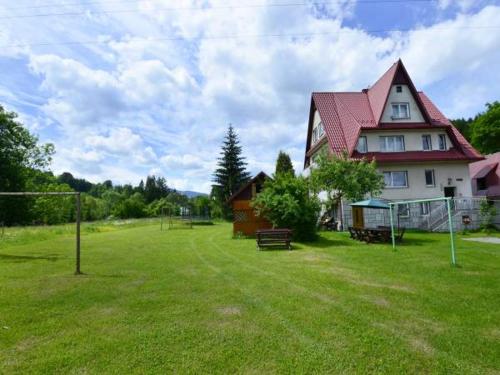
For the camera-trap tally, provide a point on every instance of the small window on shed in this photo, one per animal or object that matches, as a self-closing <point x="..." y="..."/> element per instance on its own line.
<point x="399" y="89"/>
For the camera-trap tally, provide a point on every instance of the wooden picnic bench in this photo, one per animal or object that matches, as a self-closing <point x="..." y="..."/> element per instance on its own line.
<point x="380" y="234"/>
<point x="274" y="238"/>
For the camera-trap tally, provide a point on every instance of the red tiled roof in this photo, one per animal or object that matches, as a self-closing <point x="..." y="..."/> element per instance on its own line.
<point x="493" y="159"/>
<point x="377" y="94"/>
<point x="345" y="114"/>
<point x="412" y="156"/>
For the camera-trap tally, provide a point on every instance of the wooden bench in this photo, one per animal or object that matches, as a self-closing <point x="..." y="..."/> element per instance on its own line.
<point x="274" y="238"/>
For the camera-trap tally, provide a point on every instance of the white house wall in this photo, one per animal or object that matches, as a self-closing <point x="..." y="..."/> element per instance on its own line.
<point x="402" y="97"/>
<point x="445" y="174"/>
<point x="412" y="138"/>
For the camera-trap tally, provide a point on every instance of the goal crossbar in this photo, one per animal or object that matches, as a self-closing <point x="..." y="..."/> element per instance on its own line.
<point x="78" y="214"/>
<point x="450" y="224"/>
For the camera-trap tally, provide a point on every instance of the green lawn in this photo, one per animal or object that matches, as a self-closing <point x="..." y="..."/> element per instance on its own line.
<point x="198" y="301"/>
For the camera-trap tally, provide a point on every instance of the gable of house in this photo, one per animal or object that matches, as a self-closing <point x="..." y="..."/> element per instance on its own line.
<point x="392" y="103"/>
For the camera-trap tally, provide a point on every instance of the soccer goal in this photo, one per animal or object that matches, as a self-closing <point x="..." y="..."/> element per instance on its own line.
<point x="169" y="219"/>
<point x="393" y="207"/>
<point x="77" y="214"/>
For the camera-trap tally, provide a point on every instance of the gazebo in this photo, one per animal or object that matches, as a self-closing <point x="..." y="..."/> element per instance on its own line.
<point x="358" y="220"/>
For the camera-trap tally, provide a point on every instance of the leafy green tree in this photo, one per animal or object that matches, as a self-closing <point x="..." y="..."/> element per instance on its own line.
<point x="201" y="205"/>
<point x="344" y="178"/>
<point x="231" y="172"/>
<point x="20" y="155"/>
<point x="287" y="203"/>
<point x="132" y="207"/>
<point x="485" y="131"/>
<point x="464" y="126"/>
<point x="284" y="164"/>
<point x="92" y="208"/>
<point x="77" y="184"/>
<point x="111" y="200"/>
<point x="161" y="207"/>
<point x="50" y="209"/>
<point x="216" y="202"/>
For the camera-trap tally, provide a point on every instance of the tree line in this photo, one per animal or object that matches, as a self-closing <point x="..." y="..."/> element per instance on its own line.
<point x="483" y="130"/>
<point x="23" y="167"/>
<point x="285" y="201"/>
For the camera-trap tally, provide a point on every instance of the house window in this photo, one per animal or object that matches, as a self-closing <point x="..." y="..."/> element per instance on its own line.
<point x="442" y="142"/>
<point x="399" y="89"/>
<point x="318" y="132"/>
<point x="404" y="210"/>
<point x="429" y="178"/>
<point x="362" y="145"/>
<point x="481" y="183"/>
<point x="426" y="142"/>
<point x="425" y="208"/>
<point x="400" y="111"/>
<point x="392" y="143"/>
<point x="396" y="179"/>
<point x="321" y="130"/>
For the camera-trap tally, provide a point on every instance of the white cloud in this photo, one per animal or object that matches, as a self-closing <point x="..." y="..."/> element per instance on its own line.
<point x="113" y="108"/>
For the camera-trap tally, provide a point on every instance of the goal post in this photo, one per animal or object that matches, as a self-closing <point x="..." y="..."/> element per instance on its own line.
<point x="447" y="200"/>
<point x="77" y="211"/>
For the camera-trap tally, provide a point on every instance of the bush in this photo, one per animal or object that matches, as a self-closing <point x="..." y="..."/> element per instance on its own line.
<point x="287" y="203"/>
<point x="133" y="207"/>
<point x="50" y="210"/>
<point x="487" y="211"/>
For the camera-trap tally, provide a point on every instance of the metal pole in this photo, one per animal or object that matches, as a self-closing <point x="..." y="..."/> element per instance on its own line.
<point x="448" y="206"/>
<point x="161" y="219"/>
<point x="392" y="227"/>
<point x="77" y="271"/>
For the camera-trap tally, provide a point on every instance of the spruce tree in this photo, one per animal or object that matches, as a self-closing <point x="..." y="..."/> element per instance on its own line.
<point x="284" y="164"/>
<point x="231" y="171"/>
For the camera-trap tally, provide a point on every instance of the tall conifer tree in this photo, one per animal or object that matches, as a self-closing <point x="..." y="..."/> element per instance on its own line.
<point x="231" y="171"/>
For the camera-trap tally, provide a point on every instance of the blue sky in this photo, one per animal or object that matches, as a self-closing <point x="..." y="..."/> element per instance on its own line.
<point x="127" y="88"/>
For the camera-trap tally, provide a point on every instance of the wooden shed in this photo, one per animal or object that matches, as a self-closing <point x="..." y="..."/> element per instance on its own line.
<point x="244" y="219"/>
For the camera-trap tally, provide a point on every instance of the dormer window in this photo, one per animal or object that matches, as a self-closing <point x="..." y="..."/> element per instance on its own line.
<point x="318" y="132"/>
<point x="399" y="88"/>
<point x="400" y="111"/>
<point x="442" y="142"/>
<point x="321" y="130"/>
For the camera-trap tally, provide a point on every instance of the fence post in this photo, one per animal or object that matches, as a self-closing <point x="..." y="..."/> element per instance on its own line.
<point x="448" y="206"/>
<point x="392" y="227"/>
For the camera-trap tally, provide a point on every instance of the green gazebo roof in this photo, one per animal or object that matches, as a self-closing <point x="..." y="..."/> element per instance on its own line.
<point x="372" y="203"/>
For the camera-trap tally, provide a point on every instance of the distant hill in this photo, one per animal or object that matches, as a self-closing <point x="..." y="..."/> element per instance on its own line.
<point x="191" y="194"/>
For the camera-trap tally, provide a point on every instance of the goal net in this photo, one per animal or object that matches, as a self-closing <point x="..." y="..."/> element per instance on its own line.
<point x="395" y="208"/>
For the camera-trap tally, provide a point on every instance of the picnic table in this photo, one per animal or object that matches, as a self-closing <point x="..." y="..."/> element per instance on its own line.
<point x="379" y="234"/>
<point x="274" y="238"/>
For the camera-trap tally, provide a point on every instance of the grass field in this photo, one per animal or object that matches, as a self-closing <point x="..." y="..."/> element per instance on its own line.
<point x="199" y="301"/>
